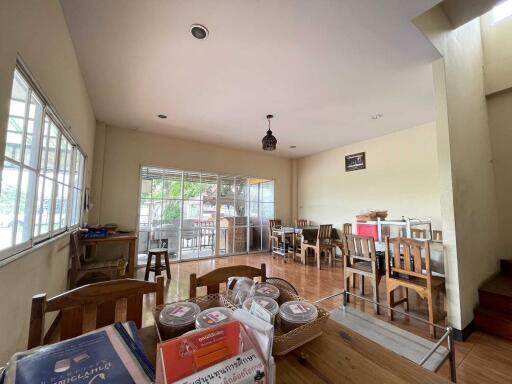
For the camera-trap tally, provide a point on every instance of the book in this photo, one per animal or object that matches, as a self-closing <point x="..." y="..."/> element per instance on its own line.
<point x="246" y="368"/>
<point x="180" y="357"/>
<point x="112" y="354"/>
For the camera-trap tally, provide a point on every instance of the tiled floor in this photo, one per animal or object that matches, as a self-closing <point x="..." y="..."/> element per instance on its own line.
<point x="481" y="359"/>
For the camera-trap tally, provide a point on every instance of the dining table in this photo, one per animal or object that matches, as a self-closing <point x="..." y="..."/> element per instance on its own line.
<point x="338" y="355"/>
<point x="308" y="233"/>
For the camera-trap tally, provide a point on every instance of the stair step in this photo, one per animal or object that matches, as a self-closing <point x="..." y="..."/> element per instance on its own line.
<point x="494" y="322"/>
<point x="497" y="294"/>
<point x="506" y="267"/>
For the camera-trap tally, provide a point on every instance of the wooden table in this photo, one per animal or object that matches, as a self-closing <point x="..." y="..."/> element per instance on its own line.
<point x="338" y="356"/>
<point x="128" y="238"/>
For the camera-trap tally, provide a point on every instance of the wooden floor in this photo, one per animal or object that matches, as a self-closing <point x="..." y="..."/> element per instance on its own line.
<point x="481" y="359"/>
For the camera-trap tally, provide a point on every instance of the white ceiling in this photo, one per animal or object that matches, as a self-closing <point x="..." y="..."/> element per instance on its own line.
<point x="322" y="67"/>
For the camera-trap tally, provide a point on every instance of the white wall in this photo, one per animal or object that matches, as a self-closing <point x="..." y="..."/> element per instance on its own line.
<point x="115" y="191"/>
<point x="401" y="176"/>
<point x="37" y="31"/>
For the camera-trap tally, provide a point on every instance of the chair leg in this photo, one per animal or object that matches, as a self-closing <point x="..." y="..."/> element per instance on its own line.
<point x="148" y="266"/>
<point x="167" y="266"/>
<point x="406" y="293"/>
<point x="431" y="315"/>
<point x="158" y="264"/>
<point x="362" y="285"/>
<point x="391" y="302"/>
<point x="376" y="295"/>
<point x="347" y="284"/>
<point x="318" y="257"/>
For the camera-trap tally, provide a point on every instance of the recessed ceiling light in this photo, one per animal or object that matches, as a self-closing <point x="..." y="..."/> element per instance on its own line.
<point x="293" y="146"/>
<point x="162" y="116"/>
<point x="377" y="116"/>
<point x="199" y="31"/>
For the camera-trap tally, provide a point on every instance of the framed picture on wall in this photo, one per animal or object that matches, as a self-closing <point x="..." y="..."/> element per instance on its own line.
<point x="355" y="162"/>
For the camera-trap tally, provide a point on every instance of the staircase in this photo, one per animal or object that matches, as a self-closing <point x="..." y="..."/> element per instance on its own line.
<point x="494" y="313"/>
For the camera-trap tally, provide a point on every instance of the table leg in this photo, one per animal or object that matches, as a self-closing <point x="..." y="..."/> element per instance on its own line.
<point x="131" y="259"/>
<point x="283" y="241"/>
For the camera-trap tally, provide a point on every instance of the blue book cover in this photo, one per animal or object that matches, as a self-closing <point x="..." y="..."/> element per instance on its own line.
<point x="108" y="355"/>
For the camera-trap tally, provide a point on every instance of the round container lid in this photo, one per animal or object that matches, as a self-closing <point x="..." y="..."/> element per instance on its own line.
<point x="213" y="316"/>
<point x="298" y="312"/>
<point x="265" y="289"/>
<point x="178" y="314"/>
<point x="233" y="280"/>
<point x="266" y="302"/>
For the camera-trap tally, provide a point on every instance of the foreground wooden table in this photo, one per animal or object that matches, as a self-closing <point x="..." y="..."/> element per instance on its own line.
<point x="128" y="238"/>
<point x="338" y="356"/>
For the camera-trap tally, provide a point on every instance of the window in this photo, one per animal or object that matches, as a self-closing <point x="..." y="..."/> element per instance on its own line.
<point x="42" y="176"/>
<point x="201" y="214"/>
<point x="502" y="11"/>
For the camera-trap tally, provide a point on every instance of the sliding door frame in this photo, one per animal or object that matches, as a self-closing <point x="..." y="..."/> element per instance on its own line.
<point x="248" y="204"/>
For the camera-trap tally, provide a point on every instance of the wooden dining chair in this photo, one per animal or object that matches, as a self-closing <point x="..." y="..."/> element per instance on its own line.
<point x="416" y="233"/>
<point x="297" y="238"/>
<point x="213" y="279"/>
<point x="92" y="306"/>
<point x="111" y="268"/>
<point x="273" y="241"/>
<point x="437" y="235"/>
<point x="301" y="223"/>
<point x="404" y="268"/>
<point x="323" y="245"/>
<point x="339" y="243"/>
<point x="359" y="259"/>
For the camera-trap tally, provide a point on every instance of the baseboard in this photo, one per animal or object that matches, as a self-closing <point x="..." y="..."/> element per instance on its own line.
<point x="462" y="335"/>
<point x="52" y="328"/>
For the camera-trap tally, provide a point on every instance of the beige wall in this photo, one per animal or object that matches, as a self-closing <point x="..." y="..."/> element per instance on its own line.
<point x="499" y="107"/>
<point x="116" y="192"/>
<point x="462" y="115"/>
<point x="497" y="44"/>
<point x="497" y="47"/>
<point x="37" y="31"/>
<point x="401" y="176"/>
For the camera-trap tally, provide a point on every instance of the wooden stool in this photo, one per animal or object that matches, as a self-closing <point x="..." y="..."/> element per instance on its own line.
<point x="158" y="253"/>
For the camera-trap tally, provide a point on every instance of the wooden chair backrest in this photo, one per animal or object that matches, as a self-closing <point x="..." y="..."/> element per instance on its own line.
<point x="359" y="247"/>
<point x="410" y="263"/>
<point x="300" y="223"/>
<point x="91" y="306"/>
<point x="275" y="222"/>
<point x="213" y="279"/>
<point x="437" y="235"/>
<point x="324" y="234"/>
<point x="417" y="233"/>
<point x="347" y="228"/>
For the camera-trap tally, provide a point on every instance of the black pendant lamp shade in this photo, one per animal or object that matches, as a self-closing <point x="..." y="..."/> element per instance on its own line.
<point x="269" y="142"/>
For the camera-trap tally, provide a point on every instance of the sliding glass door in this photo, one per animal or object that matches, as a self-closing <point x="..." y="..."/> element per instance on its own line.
<point x="199" y="214"/>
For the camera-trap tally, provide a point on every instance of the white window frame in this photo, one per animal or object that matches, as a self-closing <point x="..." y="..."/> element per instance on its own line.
<point x="47" y="111"/>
